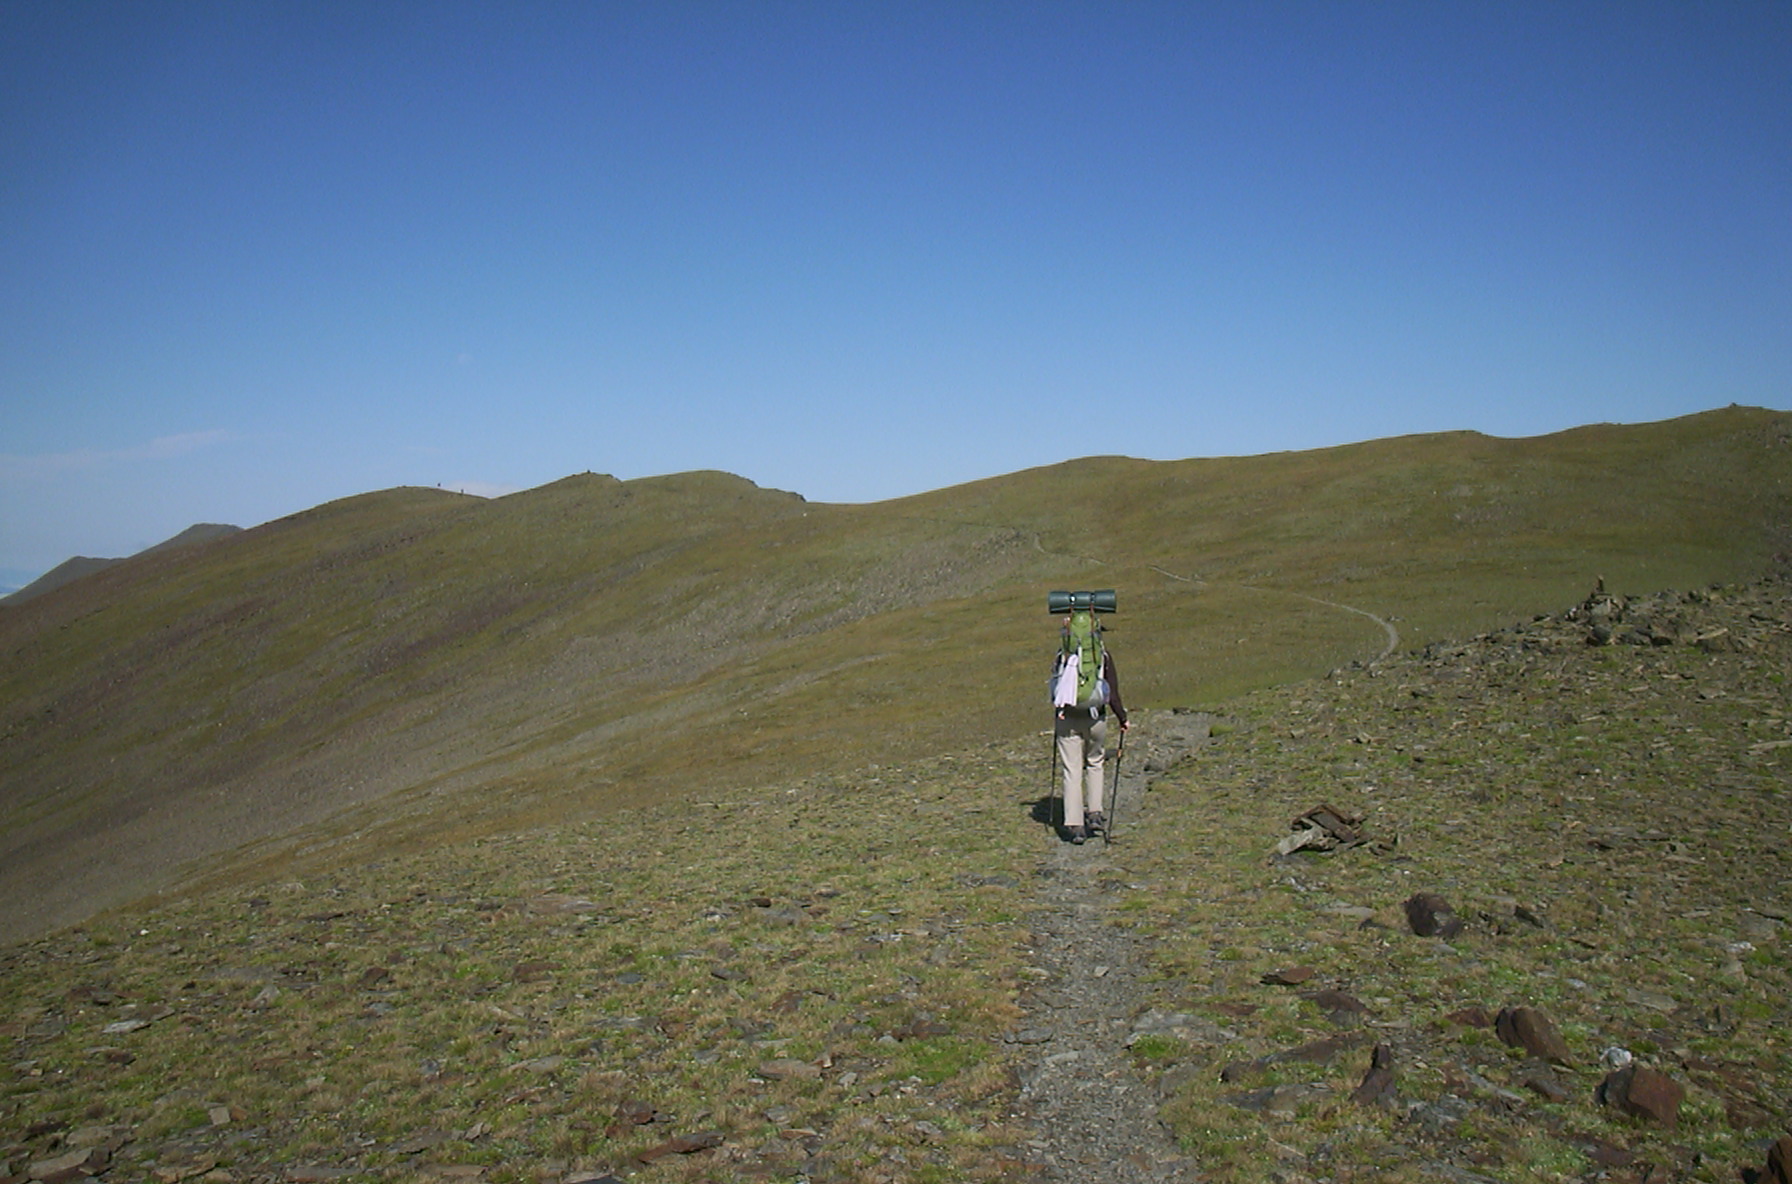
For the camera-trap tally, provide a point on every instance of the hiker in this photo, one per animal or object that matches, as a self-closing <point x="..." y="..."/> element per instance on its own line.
<point x="1085" y="685"/>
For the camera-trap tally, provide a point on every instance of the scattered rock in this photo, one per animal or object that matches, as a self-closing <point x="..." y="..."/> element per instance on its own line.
<point x="995" y="881"/>
<point x="1442" y="1115"/>
<point x="921" y="1029"/>
<point x="1529" y="917"/>
<point x="1531" y="1030"/>
<point x="1643" y="1093"/>
<point x="1339" y="1008"/>
<point x="682" y="1145"/>
<point x="1779" y="1162"/>
<point x="418" y="1143"/>
<point x="1603" y="1154"/>
<point x="1377" y="1086"/>
<point x="1717" y="641"/>
<point x="559" y="902"/>
<point x="1279" y="1101"/>
<point x="787" y="1069"/>
<point x="1653" y="1000"/>
<point x="1323" y="828"/>
<point x="1291" y="976"/>
<point x="1471" y="1017"/>
<point x="630" y="1112"/>
<point x="789" y="1002"/>
<point x="1180" y="1024"/>
<point x="1314" y="1052"/>
<point x="109" y="1137"/>
<point x="1546" y="1084"/>
<point x="1720" y="1020"/>
<point x="71" y="1165"/>
<point x="173" y="1171"/>
<point x="532" y="972"/>
<point x="1430" y="915"/>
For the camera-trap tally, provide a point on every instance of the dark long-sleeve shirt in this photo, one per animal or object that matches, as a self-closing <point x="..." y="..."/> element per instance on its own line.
<point x="1113" y="679"/>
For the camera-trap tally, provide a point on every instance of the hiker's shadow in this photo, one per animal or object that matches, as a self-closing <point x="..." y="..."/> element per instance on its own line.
<point x="1045" y="811"/>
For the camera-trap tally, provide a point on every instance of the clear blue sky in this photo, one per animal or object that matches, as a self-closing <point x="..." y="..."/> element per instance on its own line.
<point x="256" y="256"/>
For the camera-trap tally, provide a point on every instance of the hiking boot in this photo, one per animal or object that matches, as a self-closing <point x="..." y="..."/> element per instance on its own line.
<point x="1098" y="823"/>
<point x="1076" y="834"/>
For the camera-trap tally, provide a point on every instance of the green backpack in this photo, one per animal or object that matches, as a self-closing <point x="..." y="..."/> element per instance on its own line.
<point x="1082" y="637"/>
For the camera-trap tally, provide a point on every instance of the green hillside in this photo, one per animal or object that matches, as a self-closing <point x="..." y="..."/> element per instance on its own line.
<point x="408" y="666"/>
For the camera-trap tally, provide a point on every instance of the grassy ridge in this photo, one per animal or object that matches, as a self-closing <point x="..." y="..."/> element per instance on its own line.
<point x="830" y="975"/>
<point x="408" y="665"/>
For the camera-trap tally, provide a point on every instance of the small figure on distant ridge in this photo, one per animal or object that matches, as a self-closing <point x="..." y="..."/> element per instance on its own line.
<point x="1084" y="686"/>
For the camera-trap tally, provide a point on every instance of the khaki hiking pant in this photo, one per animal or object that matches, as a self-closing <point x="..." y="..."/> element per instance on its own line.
<point x="1082" y="743"/>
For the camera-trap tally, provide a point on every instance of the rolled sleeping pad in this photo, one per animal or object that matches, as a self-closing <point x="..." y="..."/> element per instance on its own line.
<point x="1102" y="601"/>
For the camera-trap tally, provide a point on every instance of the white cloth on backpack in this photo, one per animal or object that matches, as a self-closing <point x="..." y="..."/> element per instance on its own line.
<point x="1064" y="689"/>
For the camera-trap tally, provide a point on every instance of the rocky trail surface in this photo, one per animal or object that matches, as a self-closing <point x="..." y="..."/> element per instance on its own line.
<point x="1095" y="1117"/>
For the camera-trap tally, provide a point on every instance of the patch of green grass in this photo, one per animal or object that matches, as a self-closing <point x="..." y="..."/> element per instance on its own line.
<point x="939" y="1059"/>
<point x="1155" y="1047"/>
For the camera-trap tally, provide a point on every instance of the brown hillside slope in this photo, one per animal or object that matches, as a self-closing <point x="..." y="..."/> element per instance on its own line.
<point x="409" y="665"/>
<point x="70" y="570"/>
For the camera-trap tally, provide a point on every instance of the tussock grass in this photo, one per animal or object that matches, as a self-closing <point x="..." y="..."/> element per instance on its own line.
<point x="505" y="996"/>
<point x="1627" y="798"/>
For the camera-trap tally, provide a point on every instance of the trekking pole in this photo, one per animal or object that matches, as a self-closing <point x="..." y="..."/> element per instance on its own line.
<point x="1107" y="832"/>
<point x="1051" y="781"/>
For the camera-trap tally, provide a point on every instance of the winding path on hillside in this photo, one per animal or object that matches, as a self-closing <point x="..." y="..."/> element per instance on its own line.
<point x="1387" y="627"/>
<point x="1391" y="634"/>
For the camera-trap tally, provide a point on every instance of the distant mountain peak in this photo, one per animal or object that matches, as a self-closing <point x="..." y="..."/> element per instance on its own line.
<point x="82" y="565"/>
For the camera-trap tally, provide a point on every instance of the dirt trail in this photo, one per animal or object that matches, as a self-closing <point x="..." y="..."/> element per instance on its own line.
<point x="1387" y="627"/>
<point x="1094" y="1117"/>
